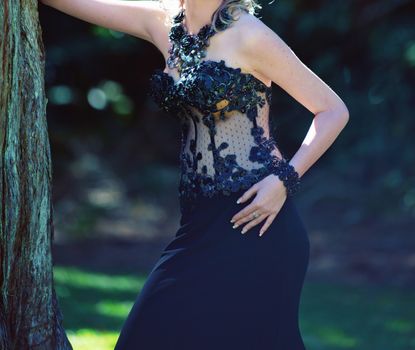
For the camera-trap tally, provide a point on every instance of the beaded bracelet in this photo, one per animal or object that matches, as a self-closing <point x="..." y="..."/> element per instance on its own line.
<point x="288" y="175"/>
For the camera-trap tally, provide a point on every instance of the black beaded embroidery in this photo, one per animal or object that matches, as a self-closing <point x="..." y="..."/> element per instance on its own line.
<point x="186" y="49"/>
<point x="207" y="98"/>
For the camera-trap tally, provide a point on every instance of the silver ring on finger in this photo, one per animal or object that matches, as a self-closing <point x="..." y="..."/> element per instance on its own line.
<point x="255" y="215"/>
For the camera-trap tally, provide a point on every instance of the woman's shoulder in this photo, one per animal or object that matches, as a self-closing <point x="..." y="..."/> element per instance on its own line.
<point x="247" y="21"/>
<point x="253" y="34"/>
<point x="250" y="26"/>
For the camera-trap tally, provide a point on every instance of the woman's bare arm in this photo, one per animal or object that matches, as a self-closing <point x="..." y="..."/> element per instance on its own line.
<point x="138" y="18"/>
<point x="271" y="57"/>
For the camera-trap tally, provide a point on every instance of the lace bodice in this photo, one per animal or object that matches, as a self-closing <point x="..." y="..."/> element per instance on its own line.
<point x="224" y="113"/>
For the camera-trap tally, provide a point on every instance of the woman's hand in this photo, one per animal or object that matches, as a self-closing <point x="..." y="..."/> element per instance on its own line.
<point x="270" y="197"/>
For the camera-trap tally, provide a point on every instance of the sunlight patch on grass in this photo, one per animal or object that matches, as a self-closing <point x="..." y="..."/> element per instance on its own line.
<point x="73" y="277"/>
<point x="113" y="308"/>
<point x="336" y="337"/>
<point x="87" y="339"/>
<point x="400" y="326"/>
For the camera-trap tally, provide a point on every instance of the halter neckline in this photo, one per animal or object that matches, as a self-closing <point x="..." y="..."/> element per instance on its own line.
<point x="188" y="50"/>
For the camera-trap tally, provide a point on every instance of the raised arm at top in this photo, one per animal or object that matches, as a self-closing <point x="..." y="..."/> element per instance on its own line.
<point x="138" y="18"/>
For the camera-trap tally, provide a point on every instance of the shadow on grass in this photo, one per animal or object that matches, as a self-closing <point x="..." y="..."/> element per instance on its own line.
<point x="371" y="317"/>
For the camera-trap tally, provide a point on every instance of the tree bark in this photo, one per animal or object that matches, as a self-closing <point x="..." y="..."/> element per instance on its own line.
<point x="29" y="312"/>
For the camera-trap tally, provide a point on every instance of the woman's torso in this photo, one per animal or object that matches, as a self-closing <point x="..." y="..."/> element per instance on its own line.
<point x="224" y="113"/>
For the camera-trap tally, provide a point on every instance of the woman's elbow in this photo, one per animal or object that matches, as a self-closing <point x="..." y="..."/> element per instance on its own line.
<point x="342" y="114"/>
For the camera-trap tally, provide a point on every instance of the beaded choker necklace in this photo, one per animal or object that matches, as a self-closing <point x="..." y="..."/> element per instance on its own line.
<point x="186" y="49"/>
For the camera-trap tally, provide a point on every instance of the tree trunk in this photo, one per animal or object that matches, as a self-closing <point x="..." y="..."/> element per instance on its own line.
<point x="29" y="313"/>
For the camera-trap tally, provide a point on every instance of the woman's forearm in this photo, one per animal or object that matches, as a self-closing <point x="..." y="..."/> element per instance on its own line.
<point x="324" y="129"/>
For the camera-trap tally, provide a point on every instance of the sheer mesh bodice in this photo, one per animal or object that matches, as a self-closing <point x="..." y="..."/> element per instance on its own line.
<point x="224" y="113"/>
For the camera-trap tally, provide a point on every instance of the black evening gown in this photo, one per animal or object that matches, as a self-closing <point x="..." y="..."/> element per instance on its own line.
<point x="212" y="287"/>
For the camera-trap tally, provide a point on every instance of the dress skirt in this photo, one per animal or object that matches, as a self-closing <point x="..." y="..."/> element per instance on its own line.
<point x="214" y="288"/>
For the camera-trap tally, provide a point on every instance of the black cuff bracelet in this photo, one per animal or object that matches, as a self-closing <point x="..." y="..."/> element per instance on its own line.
<point x="288" y="175"/>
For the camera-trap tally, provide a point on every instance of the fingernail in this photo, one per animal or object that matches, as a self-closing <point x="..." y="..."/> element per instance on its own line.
<point x="238" y="201"/>
<point x="235" y="226"/>
<point x="243" y="231"/>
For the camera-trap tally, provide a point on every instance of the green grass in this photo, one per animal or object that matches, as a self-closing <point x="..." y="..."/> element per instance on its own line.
<point x="332" y="317"/>
<point x="94" y="305"/>
<point x="340" y="317"/>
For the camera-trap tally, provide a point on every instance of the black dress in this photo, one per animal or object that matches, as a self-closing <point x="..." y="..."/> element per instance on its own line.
<point x="214" y="288"/>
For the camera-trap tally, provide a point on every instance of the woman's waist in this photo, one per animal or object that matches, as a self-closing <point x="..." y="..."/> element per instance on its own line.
<point x="220" y="179"/>
<point x="198" y="191"/>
